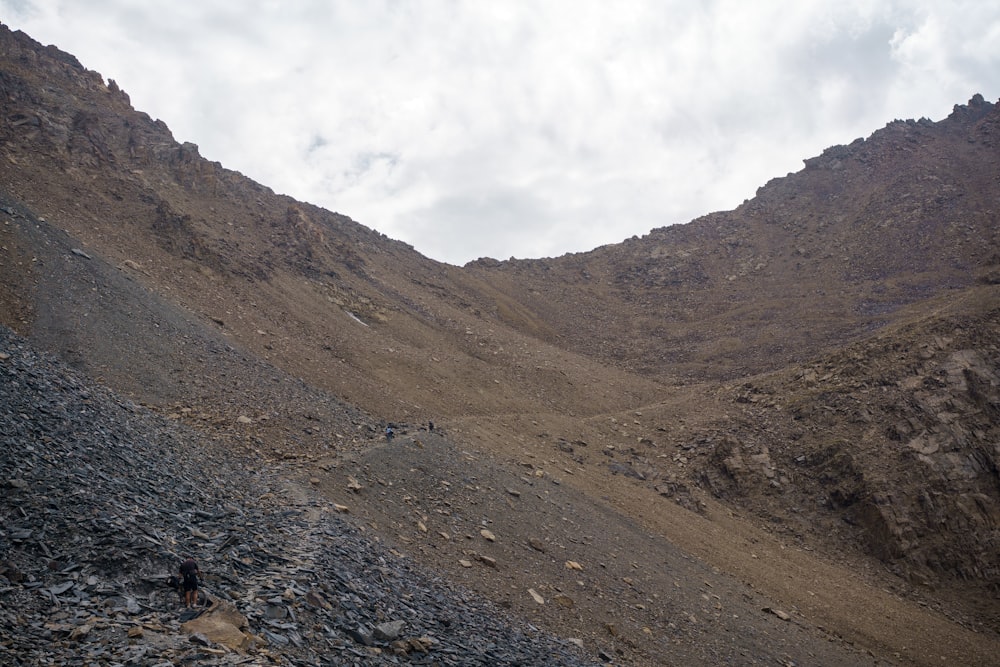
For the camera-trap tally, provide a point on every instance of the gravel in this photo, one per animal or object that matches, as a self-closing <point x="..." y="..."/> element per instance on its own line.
<point x="101" y="500"/>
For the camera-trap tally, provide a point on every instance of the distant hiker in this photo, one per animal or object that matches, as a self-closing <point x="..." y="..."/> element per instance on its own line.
<point x="430" y="426"/>
<point x="389" y="433"/>
<point x="189" y="577"/>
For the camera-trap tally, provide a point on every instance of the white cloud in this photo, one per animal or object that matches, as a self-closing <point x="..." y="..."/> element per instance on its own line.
<point x="525" y="128"/>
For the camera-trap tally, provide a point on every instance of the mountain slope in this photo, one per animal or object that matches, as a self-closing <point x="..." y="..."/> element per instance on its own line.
<point x="800" y="395"/>
<point x="293" y="283"/>
<point x="818" y="258"/>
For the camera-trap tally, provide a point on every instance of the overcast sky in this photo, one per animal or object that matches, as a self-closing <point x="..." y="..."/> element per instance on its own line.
<point x="500" y="128"/>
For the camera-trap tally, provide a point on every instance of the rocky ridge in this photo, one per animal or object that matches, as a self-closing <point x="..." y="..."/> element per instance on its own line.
<point x="817" y="259"/>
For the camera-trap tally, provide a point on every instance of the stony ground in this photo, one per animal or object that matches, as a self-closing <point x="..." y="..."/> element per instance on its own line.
<point x="684" y="581"/>
<point x="304" y="559"/>
<point x="101" y="500"/>
<point x="528" y="539"/>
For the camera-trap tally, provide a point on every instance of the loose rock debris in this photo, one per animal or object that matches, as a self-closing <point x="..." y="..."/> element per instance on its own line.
<point x="101" y="499"/>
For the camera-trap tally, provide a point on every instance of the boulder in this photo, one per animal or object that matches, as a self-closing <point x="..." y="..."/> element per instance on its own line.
<point x="222" y="624"/>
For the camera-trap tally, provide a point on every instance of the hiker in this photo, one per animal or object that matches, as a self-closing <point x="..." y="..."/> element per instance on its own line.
<point x="389" y="433"/>
<point x="189" y="581"/>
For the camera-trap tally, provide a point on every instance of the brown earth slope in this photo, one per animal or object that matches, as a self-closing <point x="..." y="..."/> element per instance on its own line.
<point x="789" y="406"/>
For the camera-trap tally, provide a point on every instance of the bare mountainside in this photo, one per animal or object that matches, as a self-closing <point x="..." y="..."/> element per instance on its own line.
<point x="817" y="259"/>
<point x="790" y="406"/>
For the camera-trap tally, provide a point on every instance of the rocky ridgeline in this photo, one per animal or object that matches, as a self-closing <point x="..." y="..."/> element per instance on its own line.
<point x="102" y="498"/>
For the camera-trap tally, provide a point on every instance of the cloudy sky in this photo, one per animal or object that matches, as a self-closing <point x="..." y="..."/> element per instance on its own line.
<point x="525" y="128"/>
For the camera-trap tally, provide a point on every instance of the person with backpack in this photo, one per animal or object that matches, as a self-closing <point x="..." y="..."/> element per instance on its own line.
<point x="189" y="581"/>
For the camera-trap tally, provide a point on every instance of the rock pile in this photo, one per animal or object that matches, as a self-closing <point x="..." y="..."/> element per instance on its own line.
<point x="102" y="499"/>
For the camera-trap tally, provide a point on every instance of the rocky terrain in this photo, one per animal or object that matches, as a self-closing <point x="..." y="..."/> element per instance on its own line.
<point x="769" y="436"/>
<point x="102" y="500"/>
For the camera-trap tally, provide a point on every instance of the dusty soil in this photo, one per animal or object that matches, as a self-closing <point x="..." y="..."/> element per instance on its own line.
<point x="670" y="586"/>
<point x="508" y="531"/>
